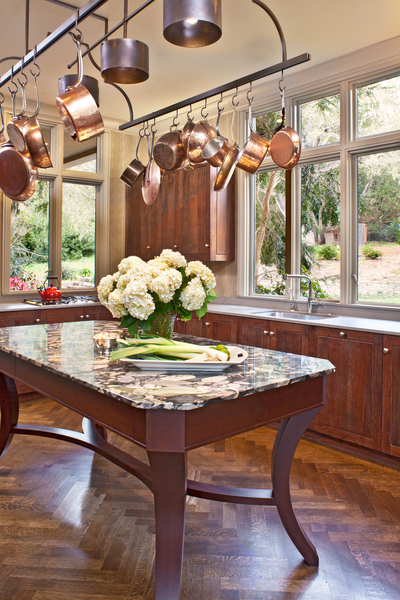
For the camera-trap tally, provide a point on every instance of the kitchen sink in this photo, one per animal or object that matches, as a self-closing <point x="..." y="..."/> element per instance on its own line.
<point x="291" y="315"/>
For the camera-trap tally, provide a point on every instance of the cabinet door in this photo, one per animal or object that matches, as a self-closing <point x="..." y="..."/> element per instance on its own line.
<point x="221" y="328"/>
<point x="289" y="337"/>
<point x="391" y="395"/>
<point x="354" y="391"/>
<point x="23" y="317"/>
<point x="253" y="332"/>
<point x="196" y="213"/>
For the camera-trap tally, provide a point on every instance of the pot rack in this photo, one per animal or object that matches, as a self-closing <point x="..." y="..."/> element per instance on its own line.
<point x="92" y="5"/>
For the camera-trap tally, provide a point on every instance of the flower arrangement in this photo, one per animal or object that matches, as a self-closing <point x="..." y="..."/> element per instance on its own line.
<point x="140" y="291"/>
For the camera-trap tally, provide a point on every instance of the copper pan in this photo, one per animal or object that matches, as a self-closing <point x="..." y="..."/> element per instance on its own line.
<point x="16" y="127"/>
<point x="33" y="134"/>
<point x="202" y="133"/>
<point x="217" y="148"/>
<point x="18" y="174"/>
<point x="135" y="169"/>
<point x="285" y="147"/>
<point x="152" y="177"/>
<point x="186" y="132"/>
<point x="169" y="152"/>
<point x="227" y="168"/>
<point x="77" y="106"/>
<point x="254" y="150"/>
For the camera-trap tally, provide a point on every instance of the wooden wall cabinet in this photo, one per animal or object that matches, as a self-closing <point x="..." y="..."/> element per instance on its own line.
<point x="391" y="395"/>
<point x="188" y="217"/>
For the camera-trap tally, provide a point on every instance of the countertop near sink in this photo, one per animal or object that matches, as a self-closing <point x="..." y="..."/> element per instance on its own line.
<point x="338" y="322"/>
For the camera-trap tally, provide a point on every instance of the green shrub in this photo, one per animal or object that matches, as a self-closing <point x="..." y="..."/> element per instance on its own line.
<point x="327" y="252"/>
<point x="85" y="272"/>
<point x="371" y="252"/>
<point x="67" y="273"/>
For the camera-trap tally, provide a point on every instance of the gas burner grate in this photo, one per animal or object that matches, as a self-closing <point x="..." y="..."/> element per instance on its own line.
<point x="64" y="300"/>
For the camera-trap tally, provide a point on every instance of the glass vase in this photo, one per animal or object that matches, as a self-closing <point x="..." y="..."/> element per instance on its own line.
<point x="163" y="325"/>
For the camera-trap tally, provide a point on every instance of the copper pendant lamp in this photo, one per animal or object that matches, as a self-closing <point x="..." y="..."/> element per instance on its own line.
<point x="124" y="60"/>
<point x="192" y="23"/>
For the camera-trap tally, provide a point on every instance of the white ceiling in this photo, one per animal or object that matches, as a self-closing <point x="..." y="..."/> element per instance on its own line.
<point x="324" y="28"/>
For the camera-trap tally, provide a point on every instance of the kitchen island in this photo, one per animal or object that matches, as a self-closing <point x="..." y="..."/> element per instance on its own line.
<point x="168" y="414"/>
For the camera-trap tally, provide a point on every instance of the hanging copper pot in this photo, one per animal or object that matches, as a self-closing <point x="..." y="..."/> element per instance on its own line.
<point x="285" y="147"/>
<point x="152" y="176"/>
<point x="18" y="174"/>
<point x="77" y="107"/>
<point x="254" y="150"/>
<point x="90" y="83"/>
<point x="135" y="169"/>
<point x="217" y="148"/>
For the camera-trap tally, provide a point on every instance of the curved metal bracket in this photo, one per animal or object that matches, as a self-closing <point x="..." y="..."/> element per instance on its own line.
<point x="277" y="25"/>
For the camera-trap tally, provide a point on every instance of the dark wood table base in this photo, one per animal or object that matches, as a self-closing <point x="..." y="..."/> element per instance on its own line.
<point x="166" y="474"/>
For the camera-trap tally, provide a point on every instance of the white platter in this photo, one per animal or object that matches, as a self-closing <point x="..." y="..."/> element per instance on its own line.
<point x="237" y="356"/>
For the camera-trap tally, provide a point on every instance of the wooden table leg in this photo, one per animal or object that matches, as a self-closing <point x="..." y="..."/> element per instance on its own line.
<point x="169" y="475"/>
<point x="287" y="439"/>
<point x="9" y="406"/>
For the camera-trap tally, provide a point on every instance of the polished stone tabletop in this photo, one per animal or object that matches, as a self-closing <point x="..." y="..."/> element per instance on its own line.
<point x="68" y="349"/>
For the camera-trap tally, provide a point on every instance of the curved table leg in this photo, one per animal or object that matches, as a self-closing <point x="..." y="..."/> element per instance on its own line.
<point x="169" y="475"/>
<point x="93" y="429"/>
<point x="287" y="438"/>
<point x="9" y="407"/>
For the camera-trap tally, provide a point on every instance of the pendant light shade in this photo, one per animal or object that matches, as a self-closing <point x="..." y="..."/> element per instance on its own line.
<point x="124" y="61"/>
<point x="192" y="23"/>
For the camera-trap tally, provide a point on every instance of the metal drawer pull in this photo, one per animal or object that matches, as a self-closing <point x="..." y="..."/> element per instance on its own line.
<point x="385" y="350"/>
<point x="271" y="333"/>
<point x="37" y="320"/>
<point x="87" y="316"/>
<point x="148" y="247"/>
<point x="206" y="245"/>
<point x="207" y="324"/>
<point x="175" y="246"/>
<point x="265" y="332"/>
<point x="342" y="334"/>
<point x="81" y="316"/>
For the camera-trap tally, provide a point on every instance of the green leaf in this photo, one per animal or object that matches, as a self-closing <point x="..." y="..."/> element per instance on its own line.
<point x="202" y="311"/>
<point x="133" y="328"/>
<point x="127" y="321"/>
<point x="211" y="296"/>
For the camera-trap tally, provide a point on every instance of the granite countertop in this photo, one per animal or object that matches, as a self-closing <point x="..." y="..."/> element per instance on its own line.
<point x="68" y="349"/>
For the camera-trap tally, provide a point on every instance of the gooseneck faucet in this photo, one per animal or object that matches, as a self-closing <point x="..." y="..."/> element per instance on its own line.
<point x="309" y="299"/>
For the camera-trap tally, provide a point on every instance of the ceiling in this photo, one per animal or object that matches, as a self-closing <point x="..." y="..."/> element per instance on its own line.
<point x="325" y="29"/>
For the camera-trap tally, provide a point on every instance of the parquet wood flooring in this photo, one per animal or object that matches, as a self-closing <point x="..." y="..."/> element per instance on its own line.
<point x="75" y="527"/>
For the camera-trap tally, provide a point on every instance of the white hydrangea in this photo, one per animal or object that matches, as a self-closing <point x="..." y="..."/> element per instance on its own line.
<point x="140" y="306"/>
<point x="195" y="267"/>
<point x="133" y="288"/>
<point x="156" y="265"/>
<point x="105" y="287"/>
<point x="115" y="306"/>
<point x="131" y="263"/>
<point x="174" y="259"/>
<point x="193" y="296"/>
<point x="166" y="284"/>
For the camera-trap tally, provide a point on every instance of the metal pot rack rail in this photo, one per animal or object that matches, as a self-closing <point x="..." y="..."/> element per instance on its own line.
<point x="93" y="5"/>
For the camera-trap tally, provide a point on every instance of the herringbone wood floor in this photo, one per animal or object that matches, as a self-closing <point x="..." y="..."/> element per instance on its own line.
<point x="75" y="527"/>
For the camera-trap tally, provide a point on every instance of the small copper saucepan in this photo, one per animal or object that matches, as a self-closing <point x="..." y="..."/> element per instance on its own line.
<point x="31" y="132"/>
<point x="77" y="106"/>
<point x="186" y="132"/>
<point x="217" y="148"/>
<point x="152" y="177"/>
<point x="254" y="150"/>
<point x="135" y="169"/>
<point x="227" y="168"/>
<point x="285" y="147"/>
<point x="169" y="151"/>
<point x="202" y="133"/>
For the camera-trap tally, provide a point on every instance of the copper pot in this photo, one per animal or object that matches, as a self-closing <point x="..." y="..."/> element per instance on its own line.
<point x="254" y="150"/>
<point x="202" y="133"/>
<point x="124" y="61"/>
<point x="18" y="174"/>
<point x="90" y="83"/>
<point x="135" y="169"/>
<point x="77" y="107"/>
<point x="227" y="168"/>
<point x="285" y="148"/>
<point x="152" y="177"/>
<point x="217" y="148"/>
<point x="169" y="152"/>
<point x="186" y="132"/>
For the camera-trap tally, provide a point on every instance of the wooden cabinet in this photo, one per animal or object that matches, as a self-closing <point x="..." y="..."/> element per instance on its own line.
<point x="188" y="217"/>
<point x="391" y="395"/>
<point x="221" y="328"/>
<point x="274" y="335"/>
<point x="354" y="392"/>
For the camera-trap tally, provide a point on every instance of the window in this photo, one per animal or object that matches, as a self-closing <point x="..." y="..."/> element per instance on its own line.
<point x="344" y="199"/>
<point x="54" y="233"/>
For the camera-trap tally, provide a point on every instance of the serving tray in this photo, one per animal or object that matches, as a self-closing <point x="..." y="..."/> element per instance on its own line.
<point x="237" y="356"/>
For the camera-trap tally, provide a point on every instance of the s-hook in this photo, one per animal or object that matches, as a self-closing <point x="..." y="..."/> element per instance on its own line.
<point x="174" y="124"/>
<point x="204" y="108"/>
<point x="36" y="65"/>
<point x="153" y="131"/>
<point x="188" y="113"/>
<point x="249" y="100"/>
<point x="233" y="98"/>
<point x="219" y="104"/>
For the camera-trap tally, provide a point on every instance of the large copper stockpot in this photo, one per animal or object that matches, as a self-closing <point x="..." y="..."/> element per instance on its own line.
<point x="77" y="106"/>
<point x="18" y="174"/>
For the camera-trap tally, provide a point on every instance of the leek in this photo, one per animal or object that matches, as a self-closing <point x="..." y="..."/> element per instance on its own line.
<point x="163" y="349"/>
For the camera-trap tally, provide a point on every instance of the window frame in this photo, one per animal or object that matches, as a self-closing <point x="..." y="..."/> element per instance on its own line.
<point x="56" y="176"/>
<point x="347" y="152"/>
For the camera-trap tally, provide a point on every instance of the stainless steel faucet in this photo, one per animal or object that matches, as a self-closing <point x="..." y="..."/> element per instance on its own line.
<point x="309" y="299"/>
